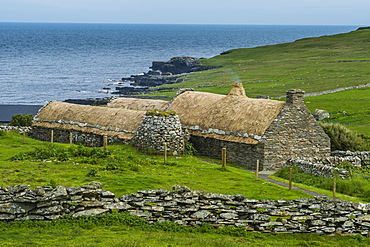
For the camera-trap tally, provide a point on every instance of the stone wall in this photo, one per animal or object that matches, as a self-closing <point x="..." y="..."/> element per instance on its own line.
<point x="78" y="137"/>
<point x="240" y="153"/>
<point x="294" y="133"/>
<point x="155" y="131"/>
<point x="362" y="155"/>
<point x="189" y="208"/>
<point x="8" y="128"/>
<point x="325" y="167"/>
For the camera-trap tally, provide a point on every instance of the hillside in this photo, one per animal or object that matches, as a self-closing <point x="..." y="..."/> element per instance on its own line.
<point x="312" y="64"/>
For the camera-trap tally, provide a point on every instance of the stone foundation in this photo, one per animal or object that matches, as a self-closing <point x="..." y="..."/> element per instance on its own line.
<point x="78" y="137"/>
<point x="240" y="153"/>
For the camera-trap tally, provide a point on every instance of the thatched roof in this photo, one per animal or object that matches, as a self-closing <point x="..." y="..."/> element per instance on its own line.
<point x="212" y="115"/>
<point x="94" y="119"/>
<point x="233" y="117"/>
<point x="138" y="104"/>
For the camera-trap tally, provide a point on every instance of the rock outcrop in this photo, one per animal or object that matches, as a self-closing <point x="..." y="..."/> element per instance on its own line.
<point x="320" y="114"/>
<point x="161" y="73"/>
<point x="179" y="65"/>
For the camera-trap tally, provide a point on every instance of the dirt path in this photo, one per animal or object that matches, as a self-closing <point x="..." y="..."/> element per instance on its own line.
<point x="264" y="175"/>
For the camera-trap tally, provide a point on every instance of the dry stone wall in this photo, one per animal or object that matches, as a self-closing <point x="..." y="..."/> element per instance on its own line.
<point x="8" y="128"/>
<point x="78" y="137"/>
<point x="327" y="166"/>
<point x="189" y="208"/>
<point x="319" y="167"/>
<point x="240" y="153"/>
<point x="362" y="155"/>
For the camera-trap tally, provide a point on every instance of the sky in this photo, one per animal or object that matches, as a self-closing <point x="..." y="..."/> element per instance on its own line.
<point x="244" y="12"/>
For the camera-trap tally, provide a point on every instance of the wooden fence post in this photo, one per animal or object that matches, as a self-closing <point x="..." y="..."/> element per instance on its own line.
<point x="165" y="153"/>
<point x="223" y="157"/>
<point x="105" y="142"/>
<point x="52" y="136"/>
<point x="70" y="139"/>
<point x="290" y="178"/>
<point x="24" y="137"/>
<point x="257" y="169"/>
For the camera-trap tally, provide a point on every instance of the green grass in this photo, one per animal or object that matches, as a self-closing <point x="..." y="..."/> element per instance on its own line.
<point x="311" y="64"/>
<point x="356" y="188"/>
<point x="350" y="108"/>
<point x="123" y="170"/>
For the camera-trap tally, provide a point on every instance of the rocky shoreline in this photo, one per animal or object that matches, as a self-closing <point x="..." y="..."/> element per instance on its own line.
<point x="160" y="73"/>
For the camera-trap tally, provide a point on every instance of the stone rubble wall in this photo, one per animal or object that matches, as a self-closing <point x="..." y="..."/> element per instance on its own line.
<point x="326" y="166"/>
<point x="189" y="208"/>
<point x="8" y="128"/>
<point x="362" y="155"/>
<point x="318" y="167"/>
<point x="240" y="153"/>
<point x="155" y="131"/>
<point x="78" y="137"/>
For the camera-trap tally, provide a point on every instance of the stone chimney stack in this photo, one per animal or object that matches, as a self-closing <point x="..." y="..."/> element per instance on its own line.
<point x="295" y="97"/>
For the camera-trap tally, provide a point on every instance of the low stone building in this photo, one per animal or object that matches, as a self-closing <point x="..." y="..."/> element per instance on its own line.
<point x="251" y="129"/>
<point x="87" y="124"/>
<point x="267" y="130"/>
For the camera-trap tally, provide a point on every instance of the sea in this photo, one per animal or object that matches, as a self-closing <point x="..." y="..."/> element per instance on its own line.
<point x="41" y="62"/>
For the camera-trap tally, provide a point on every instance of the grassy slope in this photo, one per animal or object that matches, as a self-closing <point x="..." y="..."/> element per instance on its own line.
<point x="133" y="171"/>
<point x="310" y="64"/>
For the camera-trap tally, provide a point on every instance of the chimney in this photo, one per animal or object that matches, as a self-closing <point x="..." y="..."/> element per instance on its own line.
<point x="295" y="97"/>
<point x="237" y="90"/>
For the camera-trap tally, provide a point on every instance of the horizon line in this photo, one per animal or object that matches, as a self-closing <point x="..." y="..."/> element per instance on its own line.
<point x="210" y="24"/>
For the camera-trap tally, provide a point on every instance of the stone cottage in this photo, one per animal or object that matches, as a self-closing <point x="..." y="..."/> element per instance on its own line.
<point x="251" y="129"/>
<point x="267" y="130"/>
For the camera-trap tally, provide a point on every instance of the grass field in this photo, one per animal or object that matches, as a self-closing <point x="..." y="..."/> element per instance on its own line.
<point x="312" y="64"/>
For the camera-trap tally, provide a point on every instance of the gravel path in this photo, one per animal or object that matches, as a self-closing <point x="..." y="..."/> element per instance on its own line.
<point x="265" y="177"/>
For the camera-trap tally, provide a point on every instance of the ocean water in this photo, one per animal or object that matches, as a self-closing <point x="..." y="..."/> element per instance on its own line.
<point x="40" y="62"/>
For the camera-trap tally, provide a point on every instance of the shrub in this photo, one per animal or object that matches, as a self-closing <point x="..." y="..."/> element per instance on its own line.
<point x="93" y="173"/>
<point x="189" y="149"/>
<point x="21" y="120"/>
<point x="344" y="139"/>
